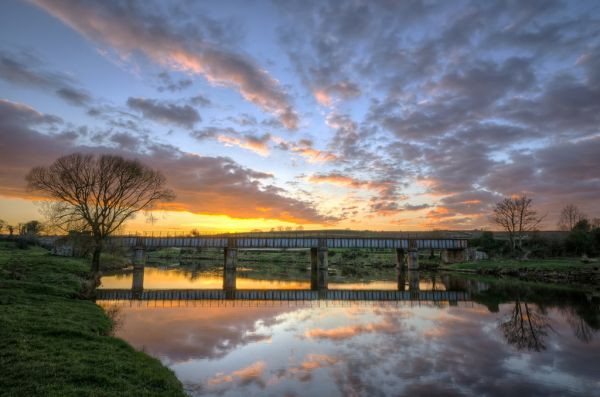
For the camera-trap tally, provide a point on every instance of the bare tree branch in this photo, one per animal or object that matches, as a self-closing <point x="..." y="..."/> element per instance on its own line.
<point x="97" y="194"/>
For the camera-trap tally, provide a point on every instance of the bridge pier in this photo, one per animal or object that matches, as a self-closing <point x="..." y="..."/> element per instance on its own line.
<point x="229" y="281"/>
<point x="318" y="268"/>
<point x="400" y="262"/>
<point x="413" y="281"/>
<point x="401" y="278"/>
<point x="137" y="285"/>
<point x="139" y="257"/>
<point x="413" y="259"/>
<point x="230" y="258"/>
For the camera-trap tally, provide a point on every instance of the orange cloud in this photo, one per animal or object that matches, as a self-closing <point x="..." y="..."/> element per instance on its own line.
<point x="256" y="145"/>
<point x="343" y="180"/>
<point x="350" y="331"/>
<point x="249" y="374"/>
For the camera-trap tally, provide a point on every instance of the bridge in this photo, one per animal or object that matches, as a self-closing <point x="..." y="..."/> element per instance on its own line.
<point x="406" y="249"/>
<point x="408" y="289"/>
<point x="282" y="295"/>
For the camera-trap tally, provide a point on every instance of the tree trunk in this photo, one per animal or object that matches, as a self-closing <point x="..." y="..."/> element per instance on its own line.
<point x="96" y="258"/>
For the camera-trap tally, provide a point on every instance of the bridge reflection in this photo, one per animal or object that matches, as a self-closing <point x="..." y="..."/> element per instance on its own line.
<point x="408" y="289"/>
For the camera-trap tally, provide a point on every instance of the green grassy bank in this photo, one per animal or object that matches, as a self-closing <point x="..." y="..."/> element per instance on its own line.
<point x="54" y="344"/>
<point x="542" y="264"/>
<point x="562" y="271"/>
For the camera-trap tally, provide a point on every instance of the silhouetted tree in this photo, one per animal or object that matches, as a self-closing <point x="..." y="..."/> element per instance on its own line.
<point x="97" y="193"/>
<point x="30" y="229"/>
<point x="516" y="216"/>
<point x="580" y="240"/>
<point x="524" y="328"/>
<point x="2" y="225"/>
<point x="569" y="216"/>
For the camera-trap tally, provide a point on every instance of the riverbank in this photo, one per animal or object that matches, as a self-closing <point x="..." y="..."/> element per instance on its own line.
<point x="570" y="271"/>
<point x="54" y="344"/>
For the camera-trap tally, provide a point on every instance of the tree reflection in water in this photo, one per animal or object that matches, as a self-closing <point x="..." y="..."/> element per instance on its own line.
<point x="526" y="327"/>
<point x="582" y="330"/>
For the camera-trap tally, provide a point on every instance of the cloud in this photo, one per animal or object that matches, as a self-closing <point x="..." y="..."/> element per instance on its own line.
<point x="164" y="112"/>
<point x="350" y="331"/>
<point x="335" y="178"/>
<point x="25" y="69"/>
<point x="203" y="184"/>
<point x="245" y="376"/>
<point x="129" y="29"/>
<point x="306" y="149"/>
<point x="257" y="144"/>
<point x="168" y="84"/>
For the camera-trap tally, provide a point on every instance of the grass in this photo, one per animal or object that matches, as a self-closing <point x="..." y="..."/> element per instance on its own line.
<point x="510" y="264"/>
<point x="53" y="344"/>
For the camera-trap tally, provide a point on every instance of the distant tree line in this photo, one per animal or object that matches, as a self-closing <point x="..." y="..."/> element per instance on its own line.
<point x="519" y="221"/>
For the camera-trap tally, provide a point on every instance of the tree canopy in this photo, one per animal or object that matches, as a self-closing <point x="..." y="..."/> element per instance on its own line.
<point x="97" y="193"/>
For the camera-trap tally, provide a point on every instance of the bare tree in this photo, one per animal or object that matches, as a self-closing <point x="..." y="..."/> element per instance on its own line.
<point x="97" y="193"/>
<point x="569" y="216"/>
<point x="517" y="217"/>
<point x="2" y="225"/>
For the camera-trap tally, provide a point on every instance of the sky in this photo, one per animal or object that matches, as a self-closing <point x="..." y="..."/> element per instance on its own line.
<point x="380" y="115"/>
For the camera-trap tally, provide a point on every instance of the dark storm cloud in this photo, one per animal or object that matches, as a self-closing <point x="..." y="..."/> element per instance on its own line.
<point x="26" y="69"/>
<point x="165" y="112"/>
<point x="204" y="185"/>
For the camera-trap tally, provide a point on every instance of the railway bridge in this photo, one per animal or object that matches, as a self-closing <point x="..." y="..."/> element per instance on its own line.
<point x="406" y="249"/>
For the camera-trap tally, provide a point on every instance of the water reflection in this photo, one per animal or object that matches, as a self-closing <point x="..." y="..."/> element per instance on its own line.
<point x="526" y="327"/>
<point x="509" y="338"/>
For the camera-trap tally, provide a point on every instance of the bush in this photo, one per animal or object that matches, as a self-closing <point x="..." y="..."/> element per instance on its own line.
<point x="488" y="244"/>
<point x="580" y="240"/>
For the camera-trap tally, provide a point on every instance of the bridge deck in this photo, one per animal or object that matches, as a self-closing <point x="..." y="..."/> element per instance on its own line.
<point x="283" y="295"/>
<point x="293" y="242"/>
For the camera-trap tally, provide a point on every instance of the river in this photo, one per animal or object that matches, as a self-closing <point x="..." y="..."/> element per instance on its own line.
<point x="501" y="337"/>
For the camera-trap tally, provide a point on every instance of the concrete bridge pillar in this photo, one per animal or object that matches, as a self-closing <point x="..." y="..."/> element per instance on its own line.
<point x="413" y="281"/>
<point x="400" y="262"/>
<point x="318" y="268"/>
<point x="139" y="257"/>
<point x="137" y="285"/>
<point x="230" y="258"/>
<point x="229" y="280"/>
<point x="401" y="277"/>
<point x="230" y="268"/>
<point x="413" y="255"/>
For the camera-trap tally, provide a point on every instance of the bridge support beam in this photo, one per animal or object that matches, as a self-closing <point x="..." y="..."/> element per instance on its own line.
<point x="400" y="262"/>
<point x="413" y="281"/>
<point x="453" y="256"/>
<point x="318" y="268"/>
<point x="401" y="278"/>
<point x="230" y="258"/>
<point x="230" y="268"/>
<point x="413" y="259"/>
<point x="229" y="282"/>
<point x="139" y="257"/>
<point x="137" y="285"/>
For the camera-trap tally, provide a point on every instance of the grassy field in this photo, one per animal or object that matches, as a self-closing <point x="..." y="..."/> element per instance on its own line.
<point x="542" y="264"/>
<point x="54" y="344"/>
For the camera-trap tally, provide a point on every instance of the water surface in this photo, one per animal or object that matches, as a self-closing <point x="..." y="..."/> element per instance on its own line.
<point x="508" y="338"/>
